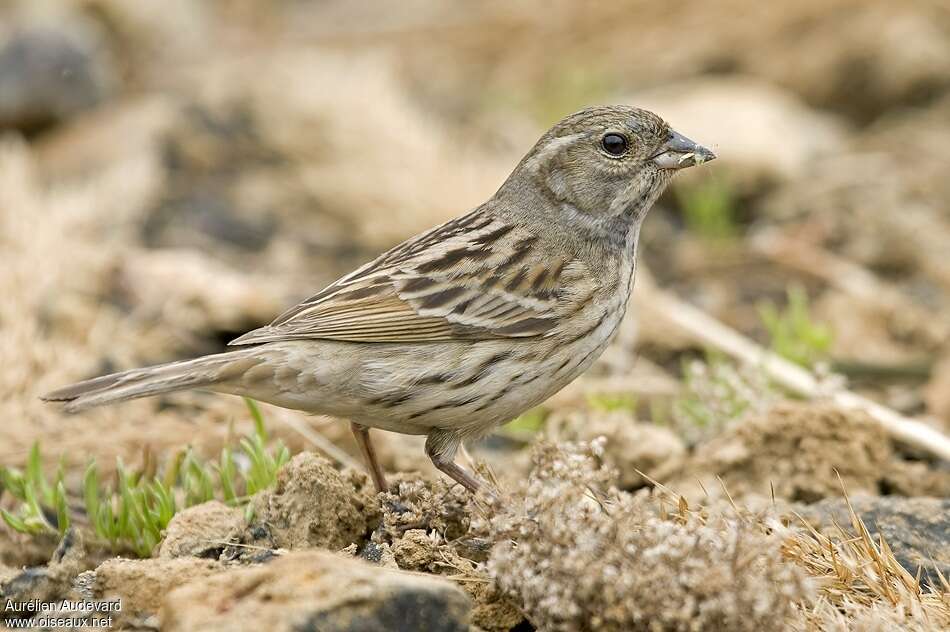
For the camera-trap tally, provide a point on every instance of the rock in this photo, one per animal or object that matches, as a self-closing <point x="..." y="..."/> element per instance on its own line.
<point x="416" y="550"/>
<point x="19" y="549"/>
<point x="42" y="584"/>
<point x="630" y="445"/>
<point x="141" y="585"/>
<point x="916" y="529"/>
<point x="313" y="505"/>
<point x="200" y="531"/>
<point x="198" y="294"/>
<point x="310" y="591"/>
<point x="50" y="73"/>
<point x="759" y="130"/>
<point x="7" y="573"/>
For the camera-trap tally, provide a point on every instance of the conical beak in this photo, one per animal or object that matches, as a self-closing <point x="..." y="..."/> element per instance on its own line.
<point x="679" y="152"/>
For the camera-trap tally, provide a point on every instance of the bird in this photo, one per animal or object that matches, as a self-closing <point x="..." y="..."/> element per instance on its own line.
<point x="467" y="325"/>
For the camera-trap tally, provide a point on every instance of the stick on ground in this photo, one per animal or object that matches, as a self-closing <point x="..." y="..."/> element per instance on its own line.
<point x="711" y="333"/>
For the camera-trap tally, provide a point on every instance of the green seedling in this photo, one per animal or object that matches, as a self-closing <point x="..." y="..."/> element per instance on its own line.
<point x="717" y="392"/>
<point x="793" y="333"/>
<point x="43" y="507"/>
<point x="131" y="513"/>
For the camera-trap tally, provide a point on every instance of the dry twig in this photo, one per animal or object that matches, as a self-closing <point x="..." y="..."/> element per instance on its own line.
<point x="711" y="333"/>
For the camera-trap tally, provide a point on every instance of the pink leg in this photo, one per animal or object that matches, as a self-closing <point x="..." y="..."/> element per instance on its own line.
<point x="369" y="455"/>
<point x="441" y="451"/>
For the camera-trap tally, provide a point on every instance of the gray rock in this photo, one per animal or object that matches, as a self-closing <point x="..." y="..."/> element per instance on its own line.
<point x="49" y="73"/>
<point x="310" y="591"/>
<point x="916" y="529"/>
<point x="43" y="584"/>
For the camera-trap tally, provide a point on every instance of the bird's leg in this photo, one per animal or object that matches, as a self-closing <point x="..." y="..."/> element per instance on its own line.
<point x="441" y="449"/>
<point x="369" y="455"/>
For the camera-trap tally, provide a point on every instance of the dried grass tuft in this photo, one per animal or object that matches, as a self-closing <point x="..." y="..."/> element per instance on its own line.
<point x="862" y="586"/>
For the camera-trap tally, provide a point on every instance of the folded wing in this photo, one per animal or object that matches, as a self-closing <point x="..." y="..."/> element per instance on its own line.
<point x="474" y="278"/>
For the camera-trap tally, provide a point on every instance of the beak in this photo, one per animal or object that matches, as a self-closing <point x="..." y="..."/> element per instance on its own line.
<point x="679" y="152"/>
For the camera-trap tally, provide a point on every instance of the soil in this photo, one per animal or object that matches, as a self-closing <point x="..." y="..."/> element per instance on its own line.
<point x="201" y="531"/>
<point x="313" y="505"/>
<point x="804" y="453"/>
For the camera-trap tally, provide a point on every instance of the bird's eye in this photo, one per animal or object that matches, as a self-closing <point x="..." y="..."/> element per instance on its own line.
<point x="615" y="144"/>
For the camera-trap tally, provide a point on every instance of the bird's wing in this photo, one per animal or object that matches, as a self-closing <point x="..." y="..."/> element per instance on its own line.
<point x="474" y="278"/>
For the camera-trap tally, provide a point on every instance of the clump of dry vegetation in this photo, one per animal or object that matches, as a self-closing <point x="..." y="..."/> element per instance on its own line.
<point x="580" y="555"/>
<point x="863" y="587"/>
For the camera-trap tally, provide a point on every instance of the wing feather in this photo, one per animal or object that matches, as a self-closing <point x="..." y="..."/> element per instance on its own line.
<point x="474" y="278"/>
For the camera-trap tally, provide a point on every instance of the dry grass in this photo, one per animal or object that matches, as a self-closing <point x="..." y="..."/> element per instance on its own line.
<point x="862" y="585"/>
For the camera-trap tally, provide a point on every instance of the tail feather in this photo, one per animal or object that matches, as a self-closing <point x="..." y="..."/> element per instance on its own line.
<point x="154" y="380"/>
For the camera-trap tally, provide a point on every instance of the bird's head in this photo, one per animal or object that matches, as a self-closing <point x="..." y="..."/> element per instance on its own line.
<point x="606" y="165"/>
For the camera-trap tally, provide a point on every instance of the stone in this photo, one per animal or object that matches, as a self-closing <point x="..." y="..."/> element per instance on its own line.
<point x="916" y="529"/>
<point x="313" y="505"/>
<point x="142" y="585"/>
<point x="201" y="531"/>
<point x="44" y="584"/>
<point x="49" y="73"/>
<point x="310" y="591"/>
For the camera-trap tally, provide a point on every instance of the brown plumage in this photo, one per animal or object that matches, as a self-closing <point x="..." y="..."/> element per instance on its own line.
<point x="471" y="323"/>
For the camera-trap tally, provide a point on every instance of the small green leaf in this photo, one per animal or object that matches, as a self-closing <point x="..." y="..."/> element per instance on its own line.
<point x="258" y="418"/>
<point x="90" y="488"/>
<point x="227" y="475"/>
<point x="34" y="473"/>
<point x="14" y="482"/>
<point x="62" y="509"/>
<point x="15" y="522"/>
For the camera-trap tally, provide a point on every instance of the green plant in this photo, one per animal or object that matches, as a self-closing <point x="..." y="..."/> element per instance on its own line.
<point x="132" y="512"/>
<point x="716" y="392"/>
<point x="709" y="208"/>
<point x="43" y="505"/>
<point x="793" y="333"/>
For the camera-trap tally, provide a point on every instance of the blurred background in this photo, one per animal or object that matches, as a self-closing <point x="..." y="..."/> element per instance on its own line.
<point x="173" y="174"/>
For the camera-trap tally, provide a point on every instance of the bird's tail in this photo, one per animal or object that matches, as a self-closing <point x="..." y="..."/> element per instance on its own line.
<point x="203" y="372"/>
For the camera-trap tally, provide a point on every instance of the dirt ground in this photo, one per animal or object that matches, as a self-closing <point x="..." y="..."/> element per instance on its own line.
<point x="170" y="179"/>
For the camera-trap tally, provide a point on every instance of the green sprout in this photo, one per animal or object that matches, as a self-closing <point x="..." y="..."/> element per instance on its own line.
<point x="717" y="392"/>
<point x="793" y="334"/>
<point x="43" y="507"/>
<point x="132" y="512"/>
